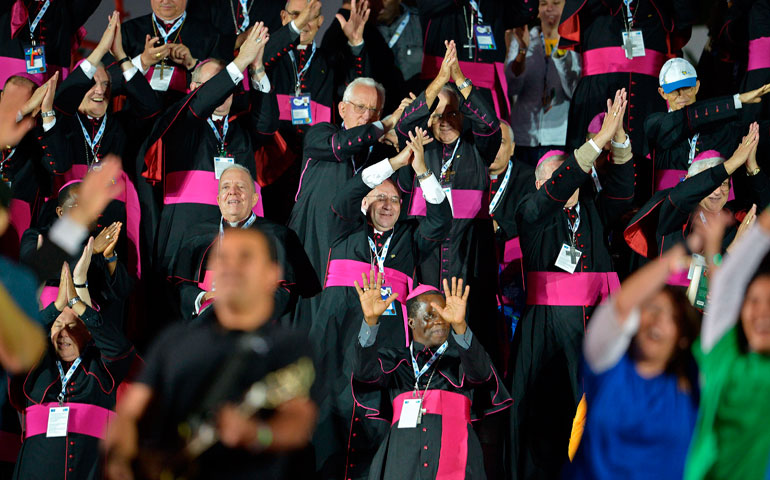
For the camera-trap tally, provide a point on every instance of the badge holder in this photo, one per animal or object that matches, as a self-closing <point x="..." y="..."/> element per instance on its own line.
<point x="410" y="413"/>
<point x="161" y="77"/>
<point x="385" y="292"/>
<point x="448" y="193"/>
<point x="58" y="418"/>
<point x="300" y="109"/>
<point x="633" y="44"/>
<point x="568" y="258"/>
<point x="222" y="163"/>
<point x="34" y="59"/>
<point x="484" y="37"/>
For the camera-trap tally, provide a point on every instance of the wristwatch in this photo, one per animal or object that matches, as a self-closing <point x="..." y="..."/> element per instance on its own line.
<point x="113" y="258"/>
<point x="466" y="83"/>
<point x="73" y="301"/>
<point x="752" y="172"/>
<point x="425" y="175"/>
<point x="48" y="114"/>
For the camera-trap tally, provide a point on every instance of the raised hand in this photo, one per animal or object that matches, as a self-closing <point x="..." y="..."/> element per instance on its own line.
<point x="61" y="296"/>
<point x="117" y="42"/>
<point x="391" y="120"/>
<point x="456" y="302"/>
<point x="108" y="37"/>
<point x="105" y="237"/>
<point x="416" y="144"/>
<point x="741" y="154"/>
<point x="80" y="273"/>
<point x="521" y="34"/>
<point x="50" y="92"/>
<point x="109" y="251"/>
<point x="180" y="53"/>
<point x="450" y="59"/>
<point x="353" y="28"/>
<point x="754" y="96"/>
<point x="310" y="12"/>
<point x="251" y="47"/>
<point x="372" y="304"/>
<point x="613" y="120"/>
<point x="152" y="54"/>
<point x="402" y="159"/>
<point x="32" y="106"/>
<point x="263" y="36"/>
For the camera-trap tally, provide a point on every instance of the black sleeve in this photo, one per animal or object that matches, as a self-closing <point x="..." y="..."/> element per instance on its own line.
<point x="327" y="143"/>
<point x="683" y="198"/>
<point x="366" y="365"/>
<point x="553" y="195"/>
<point x="71" y="92"/>
<point x="279" y="45"/>
<point x="82" y="10"/>
<point x="433" y="8"/>
<point x="434" y="228"/>
<point x="759" y="189"/>
<point x="415" y="115"/>
<point x="484" y="124"/>
<point x="108" y="338"/>
<point x="299" y="274"/>
<point x="211" y="94"/>
<point x="617" y="195"/>
<point x="346" y="207"/>
<point x="264" y="112"/>
<point x="476" y="364"/>
<point x="47" y="261"/>
<point x="57" y="155"/>
<point x="188" y="293"/>
<point x="145" y="102"/>
<point x="666" y="130"/>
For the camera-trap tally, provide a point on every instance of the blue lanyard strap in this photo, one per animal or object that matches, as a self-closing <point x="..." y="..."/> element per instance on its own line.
<point x="245" y="10"/>
<point x="399" y="30"/>
<point x="66" y="378"/>
<point x="299" y="74"/>
<point x="384" y="254"/>
<point x="38" y="17"/>
<point x="92" y="143"/>
<point x="503" y="184"/>
<point x="629" y="16"/>
<point x="475" y="6"/>
<point x="445" y="166"/>
<point x="162" y="32"/>
<point x="693" y="145"/>
<point x="419" y="372"/>
<point x="252" y="218"/>
<point x="220" y="138"/>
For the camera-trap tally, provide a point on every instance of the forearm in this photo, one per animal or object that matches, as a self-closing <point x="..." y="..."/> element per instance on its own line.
<point x="22" y="341"/>
<point x="476" y="364"/>
<point x="610" y="334"/>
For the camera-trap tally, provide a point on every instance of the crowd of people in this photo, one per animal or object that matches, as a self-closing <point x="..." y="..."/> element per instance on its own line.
<point x="233" y="250"/>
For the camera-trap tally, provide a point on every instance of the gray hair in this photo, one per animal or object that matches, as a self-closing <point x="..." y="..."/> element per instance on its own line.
<point x="451" y="92"/>
<point x="701" y="165"/>
<point x="240" y="168"/>
<point x="365" y="82"/>
<point x="196" y="73"/>
<point x="507" y="126"/>
<point x="540" y="170"/>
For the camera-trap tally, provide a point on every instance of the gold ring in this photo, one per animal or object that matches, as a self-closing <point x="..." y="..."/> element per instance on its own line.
<point x="107" y="237"/>
<point x="158" y="55"/>
<point x="614" y="114"/>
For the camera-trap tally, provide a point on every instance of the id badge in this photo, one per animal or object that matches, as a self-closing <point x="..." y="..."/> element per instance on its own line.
<point x="161" y="78"/>
<point x="448" y="193"/>
<point x="568" y="258"/>
<point x="697" y="261"/>
<point x="484" y="38"/>
<point x="57" y="421"/>
<point x="300" y="110"/>
<point x="34" y="59"/>
<point x="633" y="44"/>
<point x="385" y="292"/>
<point x="221" y="164"/>
<point x="410" y="412"/>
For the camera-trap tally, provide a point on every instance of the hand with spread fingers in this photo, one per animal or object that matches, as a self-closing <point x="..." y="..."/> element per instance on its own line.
<point x="754" y="96"/>
<point x="456" y="302"/>
<point x="416" y="143"/>
<point x="353" y="28"/>
<point x="371" y="300"/>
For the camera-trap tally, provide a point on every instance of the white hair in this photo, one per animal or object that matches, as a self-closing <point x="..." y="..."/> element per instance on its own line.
<point x="241" y="168"/>
<point x="540" y="170"/>
<point x="507" y="126"/>
<point x="699" y="166"/>
<point x="366" y="82"/>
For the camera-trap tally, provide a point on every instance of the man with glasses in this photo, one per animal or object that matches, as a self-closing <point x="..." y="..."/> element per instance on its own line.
<point x="366" y="236"/>
<point x="690" y="128"/>
<point x="332" y="155"/>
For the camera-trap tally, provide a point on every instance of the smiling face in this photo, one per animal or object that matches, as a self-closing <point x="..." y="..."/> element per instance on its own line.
<point x="446" y="121"/>
<point x="168" y="9"/>
<point x="97" y="99"/>
<point x="293" y="8"/>
<point x="680" y="97"/>
<point x="427" y="325"/>
<point x="755" y="315"/>
<point x="236" y="195"/>
<point x="658" y="336"/>
<point x="69" y="335"/>
<point x="715" y="202"/>
<point x="383" y="205"/>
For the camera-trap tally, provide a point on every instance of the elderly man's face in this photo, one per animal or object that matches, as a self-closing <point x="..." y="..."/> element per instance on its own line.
<point x="446" y="121"/>
<point x="236" y="195"/>
<point x="294" y="7"/>
<point x="69" y="335"/>
<point x="428" y="327"/>
<point x="505" y="152"/>
<point x="383" y="205"/>
<point x="364" y="107"/>
<point x="168" y="9"/>
<point x="97" y="99"/>
<point x="681" y="97"/>
<point x="715" y="202"/>
<point x="207" y="71"/>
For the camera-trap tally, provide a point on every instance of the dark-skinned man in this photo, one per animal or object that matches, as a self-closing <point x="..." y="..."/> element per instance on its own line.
<point x="236" y="201"/>
<point x="431" y="436"/>
<point x="359" y="243"/>
<point x="563" y="234"/>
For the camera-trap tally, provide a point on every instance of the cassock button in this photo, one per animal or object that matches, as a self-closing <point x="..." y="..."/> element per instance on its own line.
<point x="72" y="443"/>
<point x="72" y="456"/>
<point x="355" y="434"/>
<point x="425" y="465"/>
<point x="425" y="447"/>
<point x="424" y="429"/>
<point x="358" y="419"/>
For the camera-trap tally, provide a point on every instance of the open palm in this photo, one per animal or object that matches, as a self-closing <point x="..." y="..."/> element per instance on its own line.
<point x="372" y="304"/>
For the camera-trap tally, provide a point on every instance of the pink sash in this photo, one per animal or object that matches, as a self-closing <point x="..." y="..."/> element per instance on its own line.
<point x="455" y="411"/>
<point x="679" y="279"/>
<point x="564" y="289"/>
<point x="198" y="186"/>
<point x="10" y="66"/>
<point x="48" y="295"/>
<point x="465" y="203"/>
<point x="178" y="79"/>
<point x="20" y="216"/>
<point x="319" y="113"/>
<point x="759" y="53"/>
<point x="84" y="419"/>
<point x="599" y="61"/>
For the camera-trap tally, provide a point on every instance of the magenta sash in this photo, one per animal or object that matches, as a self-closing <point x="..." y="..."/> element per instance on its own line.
<point x="10" y="444"/>
<point x="665" y="178"/>
<point x="10" y="66"/>
<point x="599" y="61"/>
<point x="455" y="411"/>
<point x="198" y="186"/>
<point x="484" y="75"/>
<point x="178" y="79"/>
<point x="319" y="113"/>
<point x="759" y="53"/>
<point x="48" y="295"/>
<point x="342" y="273"/>
<point x="570" y="289"/>
<point x="84" y="419"/>
<point x="511" y="253"/>
<point x="465" y="203"/>
<point x="679" y="279"/>
<point x="20" y="216"/>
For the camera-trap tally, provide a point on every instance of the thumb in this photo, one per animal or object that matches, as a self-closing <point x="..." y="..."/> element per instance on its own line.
<point x="341" y="19"/>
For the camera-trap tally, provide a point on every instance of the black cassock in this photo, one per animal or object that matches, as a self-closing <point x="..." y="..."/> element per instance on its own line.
<point x="468" y="252"/>
<point x="464" y="386"/>
<point x="90" y="394"/>
<point x="594" y="28"/>
<point x="758" y="70"/>
<point x="331" y="156"/>
<point x="58" y="31"/>
<point x="448" y="20"/>
<point x="187" y="145"/>
<point x="227" y="16"/>
<point x="547" y="344"/>
<point x="334" y="327"/>
<point x="299" y="280"/>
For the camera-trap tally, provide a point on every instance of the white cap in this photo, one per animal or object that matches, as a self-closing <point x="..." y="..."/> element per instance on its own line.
<point x="677" y="73"/>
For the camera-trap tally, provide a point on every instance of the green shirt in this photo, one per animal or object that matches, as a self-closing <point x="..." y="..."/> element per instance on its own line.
<point x="732" y="436"/>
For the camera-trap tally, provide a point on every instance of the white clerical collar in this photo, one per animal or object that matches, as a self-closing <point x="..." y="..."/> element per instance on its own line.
<point x="377" y="232"/>
<point x="168" y="22"/>
<point x="302" y="47"/>
<point x="216" y="117"/>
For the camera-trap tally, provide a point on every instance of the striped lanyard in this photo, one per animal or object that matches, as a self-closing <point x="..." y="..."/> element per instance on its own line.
<point x="66" y="378"/>
<point x="503" y="184"/>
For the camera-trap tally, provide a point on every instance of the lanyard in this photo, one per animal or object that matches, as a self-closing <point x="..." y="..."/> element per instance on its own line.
<point x="249" y="222"/>
<point x="220" y="138"/>
<point x="693" y="144"/>
<point x="629" y="20"/>
<point x="36" y="21"/>
<point x="245" y="10"/>
<point x="162" y="31"/>
<point x="503" y="184"/>
<point x="300" y="73"/>
<point x="93" y="144"/>
<point x="419" y="372"/>
<point x="384" y="252"/>
<point x="399" y="30"/>
<point x="574" y="226"/>
<point x="5" y="159"/>
<point x="66" y="378"/>
<point x="475" y="6"/>
<point x="445" y="166"/>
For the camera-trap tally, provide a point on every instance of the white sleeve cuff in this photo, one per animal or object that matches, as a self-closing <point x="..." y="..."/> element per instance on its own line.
<point x="593" y="144"/>
<point x="234" y="73"/>
<point x="261" y="85"/>
<point x="48" y="126"/>
<point x="294" y="27"/>
<point x="68" y="234"/>
<point x="88" y="69"/>
<point x="377" y="173"/>
<point x="198" y="301"/>
<point x="737" y="100"/>
<point x="137" y="61"/>
<point x="129" y="74"/>
<point x="625" y="144"/>
<point x="431" y="190"/>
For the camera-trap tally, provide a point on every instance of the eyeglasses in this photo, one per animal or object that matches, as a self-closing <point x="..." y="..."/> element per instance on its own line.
<point x="445" y="116"/>
<point x="361" y="109"/>
<point x="683" y="91"/>
<point x="382" y="197"/>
